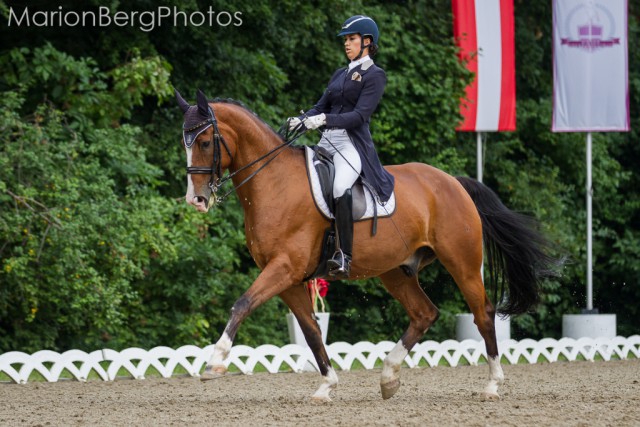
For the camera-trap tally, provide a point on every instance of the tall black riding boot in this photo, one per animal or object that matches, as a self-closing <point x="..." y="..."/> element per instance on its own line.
<point x="340" y="263"/>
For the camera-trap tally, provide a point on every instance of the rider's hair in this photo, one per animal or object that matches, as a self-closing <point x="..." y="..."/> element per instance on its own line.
<point x="373" y="48"/>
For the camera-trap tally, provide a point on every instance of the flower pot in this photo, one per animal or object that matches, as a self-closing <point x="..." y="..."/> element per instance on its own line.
<point x="295" y="333"/>
<point x="593" y="325"/>
<point x="466" y="329"/>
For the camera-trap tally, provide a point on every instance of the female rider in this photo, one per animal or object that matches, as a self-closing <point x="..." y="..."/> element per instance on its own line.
<point x="352" y="95"/>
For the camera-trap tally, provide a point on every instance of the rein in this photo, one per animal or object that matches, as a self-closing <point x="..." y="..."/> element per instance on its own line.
<point x="215" y="170"/>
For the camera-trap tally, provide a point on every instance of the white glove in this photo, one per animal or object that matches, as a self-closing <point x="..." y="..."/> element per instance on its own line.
<point x="294" y="122"/>
<point x="315" y="122"/>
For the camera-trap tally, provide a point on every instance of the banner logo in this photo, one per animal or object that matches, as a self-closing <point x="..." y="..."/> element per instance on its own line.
<point x="590" y="28"/>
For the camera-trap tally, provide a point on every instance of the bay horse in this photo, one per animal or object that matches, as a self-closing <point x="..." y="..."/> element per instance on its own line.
<point x="437" y="217"/>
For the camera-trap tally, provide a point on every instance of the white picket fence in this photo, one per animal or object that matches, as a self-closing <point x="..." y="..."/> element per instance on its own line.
<point x="135" y="362"/>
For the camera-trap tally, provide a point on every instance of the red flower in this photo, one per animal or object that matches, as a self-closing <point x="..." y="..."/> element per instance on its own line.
<point x="318" y="289"/>
<point x="323" y="287"/>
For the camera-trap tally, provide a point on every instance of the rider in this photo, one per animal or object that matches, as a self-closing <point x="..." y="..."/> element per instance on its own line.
<point x="352" y="95"/>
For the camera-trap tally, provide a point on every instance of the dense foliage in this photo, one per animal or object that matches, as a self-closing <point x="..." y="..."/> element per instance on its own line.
<point x="97" y="248"/>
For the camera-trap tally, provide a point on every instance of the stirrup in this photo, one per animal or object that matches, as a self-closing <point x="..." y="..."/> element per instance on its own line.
<point x="339" y="265"/>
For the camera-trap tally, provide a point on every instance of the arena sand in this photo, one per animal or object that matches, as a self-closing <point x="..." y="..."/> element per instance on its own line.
<point x="555" y="394"/>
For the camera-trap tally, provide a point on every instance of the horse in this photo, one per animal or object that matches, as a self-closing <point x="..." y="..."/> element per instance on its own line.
<point x="437" y="216"/>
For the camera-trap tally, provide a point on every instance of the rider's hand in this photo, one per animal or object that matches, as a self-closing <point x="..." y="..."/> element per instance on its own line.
<point x="315" y="122"/>
<point x="293" y="122"/>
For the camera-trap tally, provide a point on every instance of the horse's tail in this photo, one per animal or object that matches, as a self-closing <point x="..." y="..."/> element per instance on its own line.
<point x="516" y="251"/>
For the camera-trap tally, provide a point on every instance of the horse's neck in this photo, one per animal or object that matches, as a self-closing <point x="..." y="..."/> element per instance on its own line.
<point x="255" y="139"/>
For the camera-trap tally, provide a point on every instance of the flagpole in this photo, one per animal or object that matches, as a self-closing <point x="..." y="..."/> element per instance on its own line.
<point x="479" y="161"/>
<point x="485" y="36"/>
<point x="589" y="228"/>
<point x="577" y="95"/>
<point x="479" y="155"/>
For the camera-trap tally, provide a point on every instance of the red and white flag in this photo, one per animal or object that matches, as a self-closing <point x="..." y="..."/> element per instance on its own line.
<point x="484" y="30"/>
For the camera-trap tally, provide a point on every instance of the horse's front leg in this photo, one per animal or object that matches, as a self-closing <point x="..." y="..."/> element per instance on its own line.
<point x="275" y="278"/>
<point x="299" y="302"/>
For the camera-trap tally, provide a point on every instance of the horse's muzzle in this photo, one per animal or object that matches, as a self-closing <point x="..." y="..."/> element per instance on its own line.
<point x="199" y="202"/>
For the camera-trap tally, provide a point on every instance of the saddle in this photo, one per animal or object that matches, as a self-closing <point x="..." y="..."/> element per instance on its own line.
<point x="321" y="173"/>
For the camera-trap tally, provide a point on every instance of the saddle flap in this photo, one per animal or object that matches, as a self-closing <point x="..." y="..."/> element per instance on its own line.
<point x="359" y="200"/>
<point x="323" y="162"/>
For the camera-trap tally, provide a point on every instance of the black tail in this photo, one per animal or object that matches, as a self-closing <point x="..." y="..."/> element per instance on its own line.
<point x="516" y="251"/>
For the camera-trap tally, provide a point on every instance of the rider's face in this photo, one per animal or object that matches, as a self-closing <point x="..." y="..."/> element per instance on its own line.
<point x="352" y="46"/>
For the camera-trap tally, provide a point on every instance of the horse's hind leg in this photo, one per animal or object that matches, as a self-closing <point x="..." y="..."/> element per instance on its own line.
<point x="422" y="314"/>
<point x="484" y="317"/>
<point x="465" y="270"/>
<point x="299" y="302"/>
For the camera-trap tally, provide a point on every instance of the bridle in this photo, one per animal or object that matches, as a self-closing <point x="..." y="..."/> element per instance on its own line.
<point x="216" y="139"/>
<point x="215" y="170"/>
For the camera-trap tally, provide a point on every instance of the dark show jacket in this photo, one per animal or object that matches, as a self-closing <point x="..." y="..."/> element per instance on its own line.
<point x="348" y="102"/>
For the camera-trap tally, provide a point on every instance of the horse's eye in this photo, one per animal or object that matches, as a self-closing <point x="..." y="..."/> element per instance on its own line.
<point x="206" y="143"/>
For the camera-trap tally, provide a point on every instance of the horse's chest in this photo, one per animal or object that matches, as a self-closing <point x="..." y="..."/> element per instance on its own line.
<point x="260" y="244"/>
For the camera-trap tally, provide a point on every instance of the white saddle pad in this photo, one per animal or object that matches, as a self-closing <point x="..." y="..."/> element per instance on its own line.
<point x="382" y="210"/>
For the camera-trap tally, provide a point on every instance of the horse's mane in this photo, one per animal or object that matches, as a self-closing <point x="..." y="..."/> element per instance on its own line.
<point x="250" y="111"/>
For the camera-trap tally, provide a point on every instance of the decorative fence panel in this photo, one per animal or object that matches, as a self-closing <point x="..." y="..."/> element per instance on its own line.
<point x="109" y="364"/>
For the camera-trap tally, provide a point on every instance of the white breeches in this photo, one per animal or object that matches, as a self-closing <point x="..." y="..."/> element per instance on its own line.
<point x="345" y="158"/>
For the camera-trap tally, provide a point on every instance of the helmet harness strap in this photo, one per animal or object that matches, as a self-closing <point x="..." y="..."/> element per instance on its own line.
<point x="362" y="48"/>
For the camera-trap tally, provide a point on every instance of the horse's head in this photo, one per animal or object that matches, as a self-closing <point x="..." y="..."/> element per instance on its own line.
<point x="207" y="152"/>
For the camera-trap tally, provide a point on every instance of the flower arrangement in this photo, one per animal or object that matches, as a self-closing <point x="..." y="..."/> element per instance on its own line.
<point x="318" y="289"/>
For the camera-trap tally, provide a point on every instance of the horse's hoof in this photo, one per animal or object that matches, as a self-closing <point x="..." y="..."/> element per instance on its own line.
<point x="490" y="397"/>
<point x="491" y="391"/>
<point x="320" y="399"/>
<point x="390" y="388"/>
<point x="212" y="373"/>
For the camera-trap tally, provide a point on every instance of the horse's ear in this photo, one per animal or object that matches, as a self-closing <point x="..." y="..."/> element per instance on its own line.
<point x="184" y="105"/>
<point x="203" y="104"/>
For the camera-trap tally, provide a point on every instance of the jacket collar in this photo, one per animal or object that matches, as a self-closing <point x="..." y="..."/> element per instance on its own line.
<point x="365" y="62"/>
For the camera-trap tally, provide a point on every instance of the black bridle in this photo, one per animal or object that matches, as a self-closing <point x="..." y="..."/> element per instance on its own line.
<point x="215" y="170"/>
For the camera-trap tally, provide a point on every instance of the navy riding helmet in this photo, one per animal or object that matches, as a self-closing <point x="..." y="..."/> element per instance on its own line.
<point x="362" y="25"/>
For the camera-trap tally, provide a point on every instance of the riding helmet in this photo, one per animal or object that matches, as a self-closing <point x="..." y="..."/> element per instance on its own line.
<point x="362" y="25"/>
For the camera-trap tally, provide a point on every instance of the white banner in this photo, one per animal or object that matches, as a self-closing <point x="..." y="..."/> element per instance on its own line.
<point x="590" y="71"/>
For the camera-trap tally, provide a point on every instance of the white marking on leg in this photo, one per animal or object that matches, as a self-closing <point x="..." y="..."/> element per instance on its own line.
<point x="330" y="382"/>
<point x="220" y="351"/>
<point x="496" y="377"/>
<point x="393" y="362"/>
<point x="390" y="379"/>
